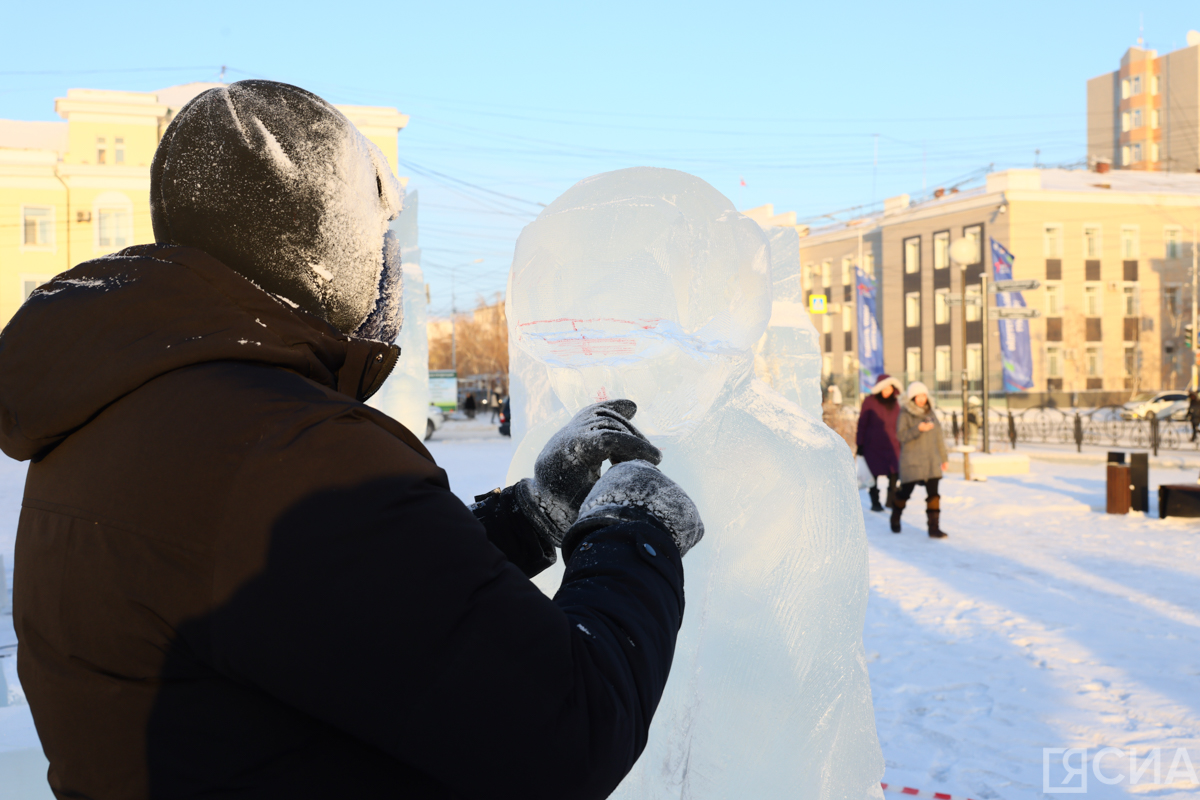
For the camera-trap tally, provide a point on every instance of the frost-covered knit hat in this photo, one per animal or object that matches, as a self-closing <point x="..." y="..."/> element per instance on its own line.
<point x="279" y="186"/>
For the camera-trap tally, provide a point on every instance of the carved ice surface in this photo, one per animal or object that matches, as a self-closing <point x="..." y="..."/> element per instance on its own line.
<point x="647" y="284"/>
<point x="788" y="356"/>
<point x="404" y="396"/>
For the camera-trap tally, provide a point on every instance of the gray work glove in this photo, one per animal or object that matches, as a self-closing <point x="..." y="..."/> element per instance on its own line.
<point x="637" y="486"/>
<point x="569" y="464"/>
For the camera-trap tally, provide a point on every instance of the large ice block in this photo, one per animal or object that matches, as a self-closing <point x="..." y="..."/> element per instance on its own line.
<point x="648" y="284"/>
<point x="404" y="396"/>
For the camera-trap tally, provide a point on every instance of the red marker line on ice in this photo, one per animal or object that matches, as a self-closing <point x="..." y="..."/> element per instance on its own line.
<point x="908" y="790"/>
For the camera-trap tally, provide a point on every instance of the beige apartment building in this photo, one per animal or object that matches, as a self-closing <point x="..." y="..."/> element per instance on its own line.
<point x="1145" y="115"/>
<point x="1113" y="252"/>
<point x="77" y="189"/>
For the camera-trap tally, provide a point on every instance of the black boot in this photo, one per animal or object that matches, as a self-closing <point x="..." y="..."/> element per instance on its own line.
<point x="891" y="493"/>
<point x="874" y="493"/>
<point x="933" y="511"/>
<point x="897" y="510"/>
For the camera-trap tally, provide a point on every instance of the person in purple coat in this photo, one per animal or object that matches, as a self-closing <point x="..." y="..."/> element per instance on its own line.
<point x="876" y="440"/>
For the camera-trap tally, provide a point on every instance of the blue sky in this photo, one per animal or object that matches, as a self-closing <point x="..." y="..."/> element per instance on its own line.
<point x="511" y="103"/>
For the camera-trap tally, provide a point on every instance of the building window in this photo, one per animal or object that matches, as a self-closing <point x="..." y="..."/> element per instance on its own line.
<point x="912" y="364"/>
<point x="1129" y="241"/>
<point x="1126" y="158"/>
<point x="101" y="150"/>
<point x="974" y="304"/>
<point x="827" y="323"/>
<point x="1053" y="299"/>
<point x="974" y="362"/>
<point x="1136" y="150"/>
<point x="826" y="272"/>
<point x="1092" y="300"/>
<point x="941" y="309"/>
<point x="941" y="250"/>
<point x="1130" y="360"/>
<point x="1125" y="121"/>
<point x="975" y="234"/>
<point x="847" y="271"/>
<point x="37" y="223"/>
<point x="1136" y="86"/>
<point x="847" y="319"/>
<point x="1092" y="362"/>
<point x="1052" y="240"/>
<point x="1137" y="118"/>
<point x="869" y="261"/>
<point x="119" y="150"/>
<point x="1154" y="84"/>
<point x="1155" y="119"/>
<point x="912" y="255"/>
<point x="1053" y="362"/>
<point x="112" y="232"/>
<point x="1154" y="151"/>
<point x="1092" y="242"/>
<point x="827" y="364"/>
<point x="806" y="276"/>
<point x="1130" y="299"/>
<point x="1124" y="89"/>
<point x="912" y="309"/>
<point x="941" y="367"/>
<point x="1173" y="241"/>
<point x="1171" y="301"/>
<point x="849" y="364"/>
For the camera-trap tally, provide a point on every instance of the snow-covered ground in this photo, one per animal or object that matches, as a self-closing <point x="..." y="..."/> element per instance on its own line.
<point x="1041" y="622"/>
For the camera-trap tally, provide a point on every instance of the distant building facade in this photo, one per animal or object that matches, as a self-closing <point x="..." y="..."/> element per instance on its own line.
<point x="1145" y="115"/>
<point x="75" y="190"/>
<point x="1113" y="252"/>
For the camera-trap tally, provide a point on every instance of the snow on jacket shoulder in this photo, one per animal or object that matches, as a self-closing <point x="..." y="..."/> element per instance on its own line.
<point x="922" y="453"/>
<point x="234" y="578"/>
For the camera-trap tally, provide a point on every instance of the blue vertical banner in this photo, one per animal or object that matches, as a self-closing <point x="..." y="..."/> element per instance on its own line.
<point x="1015" y="352"/>
<point x="870" y="340"/>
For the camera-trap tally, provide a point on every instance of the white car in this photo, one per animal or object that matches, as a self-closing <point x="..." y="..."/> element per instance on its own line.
<point x="435" y="421"/>
<point x="1165" y="405"/>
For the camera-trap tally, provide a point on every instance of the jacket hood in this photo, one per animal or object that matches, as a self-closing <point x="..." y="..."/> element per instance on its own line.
<point x="108" y="326"/>
<point x="916" y="410"/>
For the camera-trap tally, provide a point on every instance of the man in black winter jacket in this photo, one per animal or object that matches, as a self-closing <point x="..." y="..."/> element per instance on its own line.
<point x="234" y="579"/>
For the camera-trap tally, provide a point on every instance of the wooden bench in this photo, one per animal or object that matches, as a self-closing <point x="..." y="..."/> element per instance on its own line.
<point x="1178" y="500"/>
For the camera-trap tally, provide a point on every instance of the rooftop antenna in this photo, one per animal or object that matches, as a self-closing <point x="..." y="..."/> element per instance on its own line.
<point x="1141" y="29"/>
<point x="221" y="77"/>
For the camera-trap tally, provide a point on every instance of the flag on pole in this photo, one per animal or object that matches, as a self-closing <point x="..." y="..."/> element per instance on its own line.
<point x="743" y="180"/>
<point x="870" y="340"/>
<point x="1015" y="352"/>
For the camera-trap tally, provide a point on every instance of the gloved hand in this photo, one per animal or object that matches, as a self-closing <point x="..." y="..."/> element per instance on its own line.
<point x="634" y="487"/>
<point x="569" y="464"/>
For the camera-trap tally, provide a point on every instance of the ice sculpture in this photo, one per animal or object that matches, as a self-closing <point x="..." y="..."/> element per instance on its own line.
<point x="647" y="283"/>
<point x="788" y="356"/>
<point x="404" y="396"/>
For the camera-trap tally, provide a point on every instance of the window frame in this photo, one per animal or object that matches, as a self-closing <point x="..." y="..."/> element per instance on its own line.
<point x="941" y="308"/>
<point x="1176" y="240"/>
<point x="912" y="309"/>
<point x="1093" y="289"/>
<point x="1052" y="245"/>
<point x="1136" y="239"/>
<point x="944" y="238"/>
<point x="826" y="273"/>
<point x="1130" y="293"/>
<point x="1054" y="361"/>
<point x="1099" y="240"/>
<point x="909" y="352"/>
<point x="974" y="312"/>
<point x="906" y="242"/>
<point x="118" y="150"/>
<point x="1098" y="352"/>
<point x="979" y="255"/>
<point x="37" y="278"/>
<point x="943" y="357"/>
<point x="974" y="355"/>
<point x="51" y="225"/>
<point x="112" y="202"/>
<point x="1054" y="298"/>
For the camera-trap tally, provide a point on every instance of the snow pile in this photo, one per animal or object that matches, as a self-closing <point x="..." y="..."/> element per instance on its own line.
<point x="647" y="284"/>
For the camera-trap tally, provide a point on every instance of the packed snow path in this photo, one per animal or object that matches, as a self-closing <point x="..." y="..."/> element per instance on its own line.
<point x="1040" y="623"/>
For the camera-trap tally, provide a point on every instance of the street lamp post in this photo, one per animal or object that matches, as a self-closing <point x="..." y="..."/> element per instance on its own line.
<point x="963" y="253"/>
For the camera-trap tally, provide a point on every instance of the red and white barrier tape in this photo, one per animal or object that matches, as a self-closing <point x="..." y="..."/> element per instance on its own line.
<point x="908" y="790"/>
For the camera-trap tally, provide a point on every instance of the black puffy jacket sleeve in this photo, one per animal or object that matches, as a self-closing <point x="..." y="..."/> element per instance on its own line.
<point x="434" y="647"/>
<point x="510" y="531"/>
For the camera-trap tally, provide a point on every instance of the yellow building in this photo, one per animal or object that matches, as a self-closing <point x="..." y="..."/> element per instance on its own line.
<point x="75" y="190"/>
<point x="1113" y="253"/>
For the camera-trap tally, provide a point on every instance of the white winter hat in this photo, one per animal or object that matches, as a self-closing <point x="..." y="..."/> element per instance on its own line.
<point x="915" y="388"/>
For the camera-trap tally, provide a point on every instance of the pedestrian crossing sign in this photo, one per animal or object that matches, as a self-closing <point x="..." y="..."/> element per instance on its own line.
<point x="818" y="304"/>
